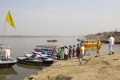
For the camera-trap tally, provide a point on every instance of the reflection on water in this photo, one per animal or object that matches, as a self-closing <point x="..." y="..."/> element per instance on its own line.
<point x="10" y="70"/>
<point x="4" y="77"/>
<point x="29" y="66"/>
<point x="5" y="73"/>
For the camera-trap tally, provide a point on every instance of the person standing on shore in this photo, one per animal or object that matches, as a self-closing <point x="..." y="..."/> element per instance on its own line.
<point x="62" y="53"/>
<point x="70" y="51"/>
<point x="98" y="48"/>
<point x="111" y="43"/>
<point x="77" y="50"/>
<point x="65" y="53"/>
<point x="73" y="51"/>
<point x="82" y="53"/>
<point x="58" y="53"/>
<point x="53" y="53"/>
<point x="81" y="43"/>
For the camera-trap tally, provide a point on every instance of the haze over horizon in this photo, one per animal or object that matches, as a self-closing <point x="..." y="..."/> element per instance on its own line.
<point x="60" y="17"/>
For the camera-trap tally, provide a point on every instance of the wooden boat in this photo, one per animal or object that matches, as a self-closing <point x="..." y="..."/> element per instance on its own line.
<point x="43" y="51"/>
<point x="117" y="42"/>
<point x="47" y="59"/>
<point x="29" y="61"/>
<point x="90" y="43"/>
<point x="5" y="59"/>
<point x="105" y="41"/>
<point x="52" y="40"/>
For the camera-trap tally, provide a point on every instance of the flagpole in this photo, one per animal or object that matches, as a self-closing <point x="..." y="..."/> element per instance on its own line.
<point x="3" y="32"/>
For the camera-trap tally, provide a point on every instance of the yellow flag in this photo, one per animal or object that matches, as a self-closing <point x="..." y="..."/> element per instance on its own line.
<point x="10" y="20"/>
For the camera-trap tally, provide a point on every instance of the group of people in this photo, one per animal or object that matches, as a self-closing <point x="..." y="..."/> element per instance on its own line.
<point x="65" y="52"/>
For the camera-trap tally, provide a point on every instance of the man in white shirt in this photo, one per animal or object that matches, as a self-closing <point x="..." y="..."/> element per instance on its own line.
<point x="111" y="43"/>
<point x="66" y="53"/>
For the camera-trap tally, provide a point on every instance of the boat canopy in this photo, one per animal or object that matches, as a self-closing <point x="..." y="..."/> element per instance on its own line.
<point x="4" y="51"/>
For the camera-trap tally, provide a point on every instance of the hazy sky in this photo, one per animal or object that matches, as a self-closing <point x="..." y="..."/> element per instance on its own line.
<point x="60" y="17"/>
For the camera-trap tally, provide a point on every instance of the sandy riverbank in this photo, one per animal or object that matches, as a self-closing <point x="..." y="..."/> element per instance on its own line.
<point x="105" y="67"/>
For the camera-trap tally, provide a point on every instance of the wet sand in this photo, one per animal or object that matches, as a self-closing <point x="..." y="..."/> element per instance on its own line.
<point x="105" y="67"/>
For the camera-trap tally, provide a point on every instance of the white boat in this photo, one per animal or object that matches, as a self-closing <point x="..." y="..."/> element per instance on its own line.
<point x="5" y="59"/>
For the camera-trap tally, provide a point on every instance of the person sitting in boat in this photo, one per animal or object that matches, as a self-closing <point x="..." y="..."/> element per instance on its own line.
<point x="35" y="55"/>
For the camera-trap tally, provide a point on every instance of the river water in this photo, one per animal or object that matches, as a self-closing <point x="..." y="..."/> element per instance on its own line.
<point x="20" y="45"/>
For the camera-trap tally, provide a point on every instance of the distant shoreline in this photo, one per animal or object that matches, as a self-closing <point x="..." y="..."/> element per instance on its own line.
<point x="34" y="36"/>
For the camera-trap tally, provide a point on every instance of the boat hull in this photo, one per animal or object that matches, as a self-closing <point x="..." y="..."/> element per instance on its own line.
<point x="25" y="60"/>
<point x="117" y="42"/>
<point x="105" y="41"/>
<point x="7" y="64"/>
<point x="89" y="45"/>
<point x="47" y="59"/>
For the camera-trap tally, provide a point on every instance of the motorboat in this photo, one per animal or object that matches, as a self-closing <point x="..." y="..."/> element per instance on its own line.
<point x="29" y="61"/>
<point x="89" y="43"/>
<point x="47" y="59"/>
<point x="5" y="59"/>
